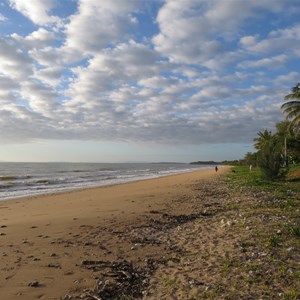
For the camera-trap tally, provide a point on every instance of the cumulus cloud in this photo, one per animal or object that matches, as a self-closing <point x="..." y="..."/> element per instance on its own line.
<point x="14" y="63"/>
<point x="7" y="84"/>
<point x="36" y="10"/>
<point x="281" y="40"/>
<point x="48" y="56"/>
<point x="158" y="82"/>
<point x="193" y="79"/>
<point x="3" y="18"/>
<point x="111" y="68"/>
<point x="180" y="22"/>
<point x="37" y="39"/>
<point x="7" y="93"/>
<point x="201" y="31"/>
<point x="287" y="78"/>
<point x="41" y="99"/>
<point x="50" y="76"/>
<point x="195" y="31"/>
<point x="99" y="24"/>
<point x="248" y="41"/>
<point x="269" y="62"/>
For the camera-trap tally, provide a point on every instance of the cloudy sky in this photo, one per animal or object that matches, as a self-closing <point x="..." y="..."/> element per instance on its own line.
<point x="137" y="80"/>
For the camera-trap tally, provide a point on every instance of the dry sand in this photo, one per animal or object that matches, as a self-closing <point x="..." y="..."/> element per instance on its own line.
<point x="45" y="239"/>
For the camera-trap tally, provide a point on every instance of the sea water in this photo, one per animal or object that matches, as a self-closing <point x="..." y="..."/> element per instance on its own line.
<point x="27" y="179"/>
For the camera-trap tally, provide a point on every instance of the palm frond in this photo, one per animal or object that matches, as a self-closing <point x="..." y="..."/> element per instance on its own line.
<point x="292" y="96"/>
<point x="290" y="103"/>
<point x="292" y="108"/>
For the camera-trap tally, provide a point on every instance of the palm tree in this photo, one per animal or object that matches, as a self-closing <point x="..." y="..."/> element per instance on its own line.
<point x="292" y="107"/>
<point x="262" y="139"/>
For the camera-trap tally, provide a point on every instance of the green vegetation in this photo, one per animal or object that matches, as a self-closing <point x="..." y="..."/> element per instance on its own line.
<point x="270" y="159"/>
<point x="264" y="206"/>
<point x="292" y="107"/>
<point x="277" y="151"/>
<point x="243" y="177"/>
<point x="265" y="187"/>
<point x="271" y="243"/>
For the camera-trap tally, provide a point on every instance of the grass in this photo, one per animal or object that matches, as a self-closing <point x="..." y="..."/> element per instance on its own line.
<point x="273" y="241"/>
<point x="261" y="253"/>
<point x="294" y="230"/>
<point x="273" y="212"/>
<point x="263" y="239"/>
<point x="226" y="265"/>
<point x="243" y="177"/>
<point x="170" y="283"/>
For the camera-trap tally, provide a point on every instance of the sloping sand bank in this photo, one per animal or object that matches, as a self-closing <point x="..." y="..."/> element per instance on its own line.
<point x="53" y="246"/>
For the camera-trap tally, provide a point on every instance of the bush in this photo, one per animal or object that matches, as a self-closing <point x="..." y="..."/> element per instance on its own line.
<point x="270" y="160"/>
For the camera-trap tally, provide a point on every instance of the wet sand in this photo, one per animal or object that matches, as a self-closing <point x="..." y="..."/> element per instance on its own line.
<point x="46" y="242"/>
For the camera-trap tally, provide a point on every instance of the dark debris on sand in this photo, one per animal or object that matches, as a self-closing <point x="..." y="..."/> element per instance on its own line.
<point x="117" y="280"/>
<point x="129" y="278"/>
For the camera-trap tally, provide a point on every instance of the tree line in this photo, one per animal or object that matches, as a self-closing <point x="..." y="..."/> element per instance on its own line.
<point x="277" y="151"/>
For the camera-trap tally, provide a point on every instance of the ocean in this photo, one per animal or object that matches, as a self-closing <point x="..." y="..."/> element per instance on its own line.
<point x="28" y="179"/>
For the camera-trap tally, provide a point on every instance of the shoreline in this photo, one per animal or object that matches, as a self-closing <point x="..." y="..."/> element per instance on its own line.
<point x="44" y="239"/>
<point x="71" y="190"/>
<point x="89" y="185"/>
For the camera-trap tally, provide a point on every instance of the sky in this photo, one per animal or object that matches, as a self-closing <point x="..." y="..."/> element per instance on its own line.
<point x="137" y="80"/>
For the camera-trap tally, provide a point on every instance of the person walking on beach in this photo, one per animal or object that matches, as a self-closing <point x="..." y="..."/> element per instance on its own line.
<point x="216" y="169"/>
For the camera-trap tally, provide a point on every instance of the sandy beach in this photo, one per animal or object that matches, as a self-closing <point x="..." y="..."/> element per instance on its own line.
<point x="44" y="240"/>
<point x="198" y="235"/>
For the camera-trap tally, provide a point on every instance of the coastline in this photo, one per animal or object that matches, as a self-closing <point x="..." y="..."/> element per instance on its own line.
<point x="45" y="238"/>
<point x="19" y="180"/>
<point x="106" y="185"/>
